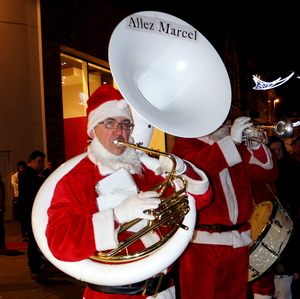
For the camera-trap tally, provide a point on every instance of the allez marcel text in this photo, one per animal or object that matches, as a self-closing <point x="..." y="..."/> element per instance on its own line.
<point x="161" y="26"/>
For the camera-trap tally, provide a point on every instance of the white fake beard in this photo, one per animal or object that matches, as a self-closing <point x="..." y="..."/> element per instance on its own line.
<point x="109" y="163"/>
<point x="217" y="135"/>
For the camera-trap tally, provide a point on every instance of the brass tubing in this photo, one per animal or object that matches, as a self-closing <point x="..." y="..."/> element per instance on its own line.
<point x="170" y="213"/>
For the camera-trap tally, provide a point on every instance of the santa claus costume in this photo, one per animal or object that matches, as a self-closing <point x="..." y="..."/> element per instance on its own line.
<point x="215" y="264"/>
<point x="80" y="224"/>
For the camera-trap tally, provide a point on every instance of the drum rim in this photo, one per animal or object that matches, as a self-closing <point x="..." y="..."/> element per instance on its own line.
<point x="266" y="229"/>
<point x="252" y="248"/>
<point x="263" y="274"/>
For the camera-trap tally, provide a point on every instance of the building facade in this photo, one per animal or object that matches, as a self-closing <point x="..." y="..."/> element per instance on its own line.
<point x="54" y="54"/>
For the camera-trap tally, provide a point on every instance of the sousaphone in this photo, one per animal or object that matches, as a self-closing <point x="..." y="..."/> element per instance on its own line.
<point x="175" y="80"/>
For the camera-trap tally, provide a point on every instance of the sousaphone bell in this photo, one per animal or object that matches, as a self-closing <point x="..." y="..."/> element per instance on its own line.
<point x="173" y="78"/>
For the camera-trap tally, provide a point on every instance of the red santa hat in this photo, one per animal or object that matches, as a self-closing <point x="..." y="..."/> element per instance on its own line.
<point x="105" y="102"/>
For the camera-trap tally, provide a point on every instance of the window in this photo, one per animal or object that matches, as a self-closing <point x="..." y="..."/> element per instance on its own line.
<point x="79" y="79"/>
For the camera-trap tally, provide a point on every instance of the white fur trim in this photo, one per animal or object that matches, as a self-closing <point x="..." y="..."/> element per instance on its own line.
<point x="229" y="151"/>
<point x="268" y="165"/>
<point x="206" y="139"/>
<point x="104" y="230"/>
<point x="108" y="109"/>
<point x="194" y="186"/>
<point x="229" y="194"/>
<point x="232" y="238"/>
<point x="197" y="186"/>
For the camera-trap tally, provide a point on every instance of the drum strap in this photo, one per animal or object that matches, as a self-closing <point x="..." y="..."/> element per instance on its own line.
<point x="269" y="187"/>
<point x="219" y="227"/>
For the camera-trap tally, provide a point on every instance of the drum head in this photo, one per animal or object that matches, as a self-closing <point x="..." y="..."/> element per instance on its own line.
<point x="260" y="218"/>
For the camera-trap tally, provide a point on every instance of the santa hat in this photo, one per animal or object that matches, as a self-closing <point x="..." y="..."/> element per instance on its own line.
<point x="104" y="103"/>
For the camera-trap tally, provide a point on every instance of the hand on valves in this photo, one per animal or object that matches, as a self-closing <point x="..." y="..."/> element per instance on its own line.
<point x="134" y="206"/>
<point x="238" y="127"/>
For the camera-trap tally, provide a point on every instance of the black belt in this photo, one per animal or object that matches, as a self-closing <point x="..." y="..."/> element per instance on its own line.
<point x="149" y="287"/>
<point x="219" y="227"/>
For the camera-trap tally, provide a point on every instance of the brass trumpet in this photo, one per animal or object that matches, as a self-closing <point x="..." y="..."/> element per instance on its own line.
<point x="170" y="213"/>
<point x="282" y="129"/>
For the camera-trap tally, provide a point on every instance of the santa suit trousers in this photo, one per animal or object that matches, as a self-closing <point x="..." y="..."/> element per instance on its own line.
<point x="214" y="272"/>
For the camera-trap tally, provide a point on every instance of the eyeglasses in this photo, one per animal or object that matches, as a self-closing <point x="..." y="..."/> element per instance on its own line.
<point x="110" y="124"/>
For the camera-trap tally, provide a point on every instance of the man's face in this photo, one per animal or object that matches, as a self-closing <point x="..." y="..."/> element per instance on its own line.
<point x="277" y="148"/>
<point x="21" y="168"/>
<point x="108" y="136"/>
<point x="37" y="164"/>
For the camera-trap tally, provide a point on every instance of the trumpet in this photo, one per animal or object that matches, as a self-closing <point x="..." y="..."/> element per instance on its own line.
<point x="282" y="129"/>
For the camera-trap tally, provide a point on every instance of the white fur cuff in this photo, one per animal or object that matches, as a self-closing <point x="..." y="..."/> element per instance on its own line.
<point x="104" y="230"/>
<point x="229" y="151"/>
<point x="197" y="187"/>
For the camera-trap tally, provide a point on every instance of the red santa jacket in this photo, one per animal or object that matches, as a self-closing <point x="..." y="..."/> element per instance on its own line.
<point x="229" y="169"/>
<point x="73" y="211"/>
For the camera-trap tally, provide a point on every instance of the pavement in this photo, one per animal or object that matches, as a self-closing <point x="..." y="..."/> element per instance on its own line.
<point x="15" y="281"/>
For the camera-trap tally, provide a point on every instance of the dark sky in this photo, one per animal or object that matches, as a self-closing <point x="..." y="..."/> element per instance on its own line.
<point x="269" y="31"/>
<point x="272" y="36"/>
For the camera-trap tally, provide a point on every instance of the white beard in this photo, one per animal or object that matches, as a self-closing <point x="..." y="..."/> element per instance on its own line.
<point x="217" y="135"/>
<point x="109" y="163"/>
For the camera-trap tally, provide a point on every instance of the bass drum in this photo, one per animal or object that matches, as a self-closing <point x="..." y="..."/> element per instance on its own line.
<point x="100" y="273"/>
<point x="271" y="228"/>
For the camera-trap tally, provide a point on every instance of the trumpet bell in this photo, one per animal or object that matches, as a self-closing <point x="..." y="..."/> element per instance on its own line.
<point x="284" y="128"/>
<point x="170" y="74"/>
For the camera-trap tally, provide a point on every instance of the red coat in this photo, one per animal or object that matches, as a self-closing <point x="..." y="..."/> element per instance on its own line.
<point x="223" y="158"/>
<point x="207" y="267"/>
<point x="74" y="204"/>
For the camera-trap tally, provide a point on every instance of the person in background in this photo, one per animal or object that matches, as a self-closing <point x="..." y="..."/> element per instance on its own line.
<point x="296" y="152"/>
<point x="15" y="178"/>
<point x="48" y="170"/>
<point x="29" y="185"/>
<point x="215" y="264"/>
<point x="288" y="178"/>
<point x="287" y="269"/>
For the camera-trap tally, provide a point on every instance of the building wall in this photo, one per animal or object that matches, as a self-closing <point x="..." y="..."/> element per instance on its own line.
<point x="22" y="122"/>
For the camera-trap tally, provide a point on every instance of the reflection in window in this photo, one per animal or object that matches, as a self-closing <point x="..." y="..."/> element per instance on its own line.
<point x="79" y="80"/>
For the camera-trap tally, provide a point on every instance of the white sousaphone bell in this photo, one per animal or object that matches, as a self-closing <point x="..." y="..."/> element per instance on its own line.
<point x="175" y="80"/>
<point x="170" y="74"/>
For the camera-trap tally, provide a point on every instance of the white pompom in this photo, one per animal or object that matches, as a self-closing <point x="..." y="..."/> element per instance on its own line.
<point x="122" y="104"/>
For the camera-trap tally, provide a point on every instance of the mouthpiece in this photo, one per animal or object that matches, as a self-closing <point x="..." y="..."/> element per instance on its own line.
<point x="117" y="143"/>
